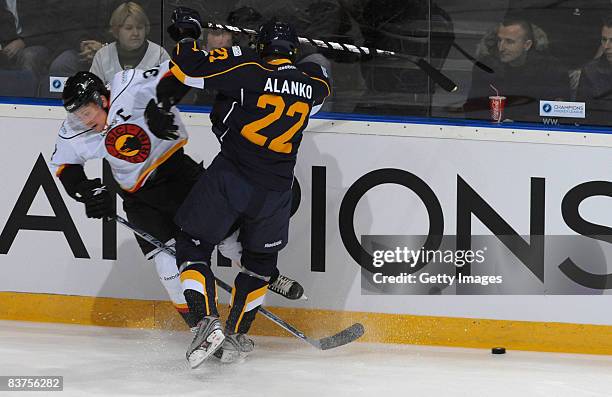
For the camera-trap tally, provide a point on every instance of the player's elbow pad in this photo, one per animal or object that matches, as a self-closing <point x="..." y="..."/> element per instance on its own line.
<point x="315" y="109"/>
<point x="71" y="177"/>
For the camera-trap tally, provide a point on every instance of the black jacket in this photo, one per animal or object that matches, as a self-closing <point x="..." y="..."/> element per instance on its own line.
<point x="39" y="22"/>
<point x="539" y="78"/>
<point x="8" y="31"/>
<point x="595" y="88"/>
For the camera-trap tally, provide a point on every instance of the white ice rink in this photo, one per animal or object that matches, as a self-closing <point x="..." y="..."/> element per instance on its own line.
<point x="126" y="362"/>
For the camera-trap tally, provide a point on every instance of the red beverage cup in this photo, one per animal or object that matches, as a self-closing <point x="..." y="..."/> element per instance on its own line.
<point x="496" y="105"/>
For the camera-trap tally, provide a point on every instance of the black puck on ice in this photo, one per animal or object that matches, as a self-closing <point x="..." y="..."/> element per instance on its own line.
<point x="498" y="350"/>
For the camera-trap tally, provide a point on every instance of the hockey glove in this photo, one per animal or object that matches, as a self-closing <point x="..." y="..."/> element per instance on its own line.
<point x="97" y="199"/>
<point x="161" y="121"/>
<point x="185" y="23"/>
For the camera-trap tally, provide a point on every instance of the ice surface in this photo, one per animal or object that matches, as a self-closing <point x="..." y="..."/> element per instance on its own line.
<point x="126" y="362"/>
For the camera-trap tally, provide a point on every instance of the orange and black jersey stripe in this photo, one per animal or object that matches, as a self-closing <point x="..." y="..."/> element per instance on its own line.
<point x="262" y="108"/>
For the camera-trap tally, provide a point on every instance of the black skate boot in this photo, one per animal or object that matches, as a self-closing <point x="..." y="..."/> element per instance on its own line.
<point x="235" y="347"/>
<point x="207" y="340"/>
<point x="287" y="287"/>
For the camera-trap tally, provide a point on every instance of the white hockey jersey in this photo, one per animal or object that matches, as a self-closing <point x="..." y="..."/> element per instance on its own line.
<point x="132" y="150"/>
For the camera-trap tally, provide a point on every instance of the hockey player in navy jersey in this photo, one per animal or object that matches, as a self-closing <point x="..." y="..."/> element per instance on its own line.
<point x="264" y="106"/>
<point x="153" y="176"/>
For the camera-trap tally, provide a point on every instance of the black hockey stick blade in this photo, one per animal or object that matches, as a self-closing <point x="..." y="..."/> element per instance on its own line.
<point x="433" y="73"/>
<point x="483" y="67"/>
<point x="342" y="338"/>
<point x="436" y="75"/>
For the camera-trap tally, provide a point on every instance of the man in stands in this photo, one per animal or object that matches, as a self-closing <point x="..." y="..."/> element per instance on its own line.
<point x="521" y="74"/>
<point x="595" y="87"/>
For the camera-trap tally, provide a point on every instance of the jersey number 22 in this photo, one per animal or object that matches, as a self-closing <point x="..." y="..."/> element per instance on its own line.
<point x="281" y="143"/>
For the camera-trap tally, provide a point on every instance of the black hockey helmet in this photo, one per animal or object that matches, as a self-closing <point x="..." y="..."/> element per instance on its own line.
<point x="277" y="38"/>
<point x="81" y="89"/>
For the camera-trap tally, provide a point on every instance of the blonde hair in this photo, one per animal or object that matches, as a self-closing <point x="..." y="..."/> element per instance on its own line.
<point x="125" y="10"/>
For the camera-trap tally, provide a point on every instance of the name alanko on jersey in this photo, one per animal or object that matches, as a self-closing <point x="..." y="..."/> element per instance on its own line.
<point x="288" y="87"/>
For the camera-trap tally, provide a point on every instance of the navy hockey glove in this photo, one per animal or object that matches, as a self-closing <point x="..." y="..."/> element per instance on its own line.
<point x="185" y="23"/>
<point x="161" y="121"/>
<point x="97" y="199"/>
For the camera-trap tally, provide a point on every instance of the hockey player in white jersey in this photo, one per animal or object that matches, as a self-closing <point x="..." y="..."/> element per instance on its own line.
<point x="153" y="175"/>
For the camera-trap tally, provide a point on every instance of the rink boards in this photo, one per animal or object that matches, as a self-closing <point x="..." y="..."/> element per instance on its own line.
<point x="71" y="269"/>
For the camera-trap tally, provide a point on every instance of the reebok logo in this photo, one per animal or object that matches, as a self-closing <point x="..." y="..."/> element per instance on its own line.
<point x="274" y="244"/>
<point x="170" y="278"/>
<point x="99" y="190"/>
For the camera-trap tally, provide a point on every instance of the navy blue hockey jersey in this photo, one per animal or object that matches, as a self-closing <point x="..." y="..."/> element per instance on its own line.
<point x="262" y="107"/>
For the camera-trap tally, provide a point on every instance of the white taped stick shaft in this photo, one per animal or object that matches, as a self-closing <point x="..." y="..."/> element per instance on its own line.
<point x="437" y="76"/>
<point x="316" y="42"/>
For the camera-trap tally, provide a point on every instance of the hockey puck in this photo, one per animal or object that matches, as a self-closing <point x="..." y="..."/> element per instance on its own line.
<point x="498" y="350"/>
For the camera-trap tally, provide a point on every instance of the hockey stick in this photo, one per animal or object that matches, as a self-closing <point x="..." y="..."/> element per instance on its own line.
<point x="474" y="61"/>
<point x="433" y="73"/>
<point x="343" y="337"/>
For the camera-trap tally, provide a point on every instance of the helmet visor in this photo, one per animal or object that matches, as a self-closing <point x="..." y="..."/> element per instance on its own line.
<point x="90" y="116"/>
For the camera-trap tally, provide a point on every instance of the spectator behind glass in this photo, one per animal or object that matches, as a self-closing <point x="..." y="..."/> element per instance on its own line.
<point x="26" y="35"/>
<point x="521" y="74"/>
<point x="572" y="26"/>
<point x="83" y="35"/>
<point x="595" y="86"/>
<point x="8" y="33"/>
<point x="131" y="50"/>
<point x="85" y="32"/>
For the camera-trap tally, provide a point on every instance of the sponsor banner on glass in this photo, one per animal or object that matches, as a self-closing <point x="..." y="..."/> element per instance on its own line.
<point x="56" y="84"/>
<point x="576" y="110"/>
<point x="485" y="265"/>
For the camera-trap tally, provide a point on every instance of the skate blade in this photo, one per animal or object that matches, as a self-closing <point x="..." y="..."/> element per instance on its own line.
<point x="198" y="356"/>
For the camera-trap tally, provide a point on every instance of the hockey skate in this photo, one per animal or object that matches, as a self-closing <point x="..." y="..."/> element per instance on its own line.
<point x="207" y="340"/>
<point x="235" y="347"/>
<point x="287" y="287"/>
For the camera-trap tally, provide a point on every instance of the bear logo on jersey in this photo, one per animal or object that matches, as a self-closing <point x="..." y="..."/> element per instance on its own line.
<point x="128" y="142"/>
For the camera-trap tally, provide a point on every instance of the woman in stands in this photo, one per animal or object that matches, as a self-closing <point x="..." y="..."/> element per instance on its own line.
<point x="130" y="26"/>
